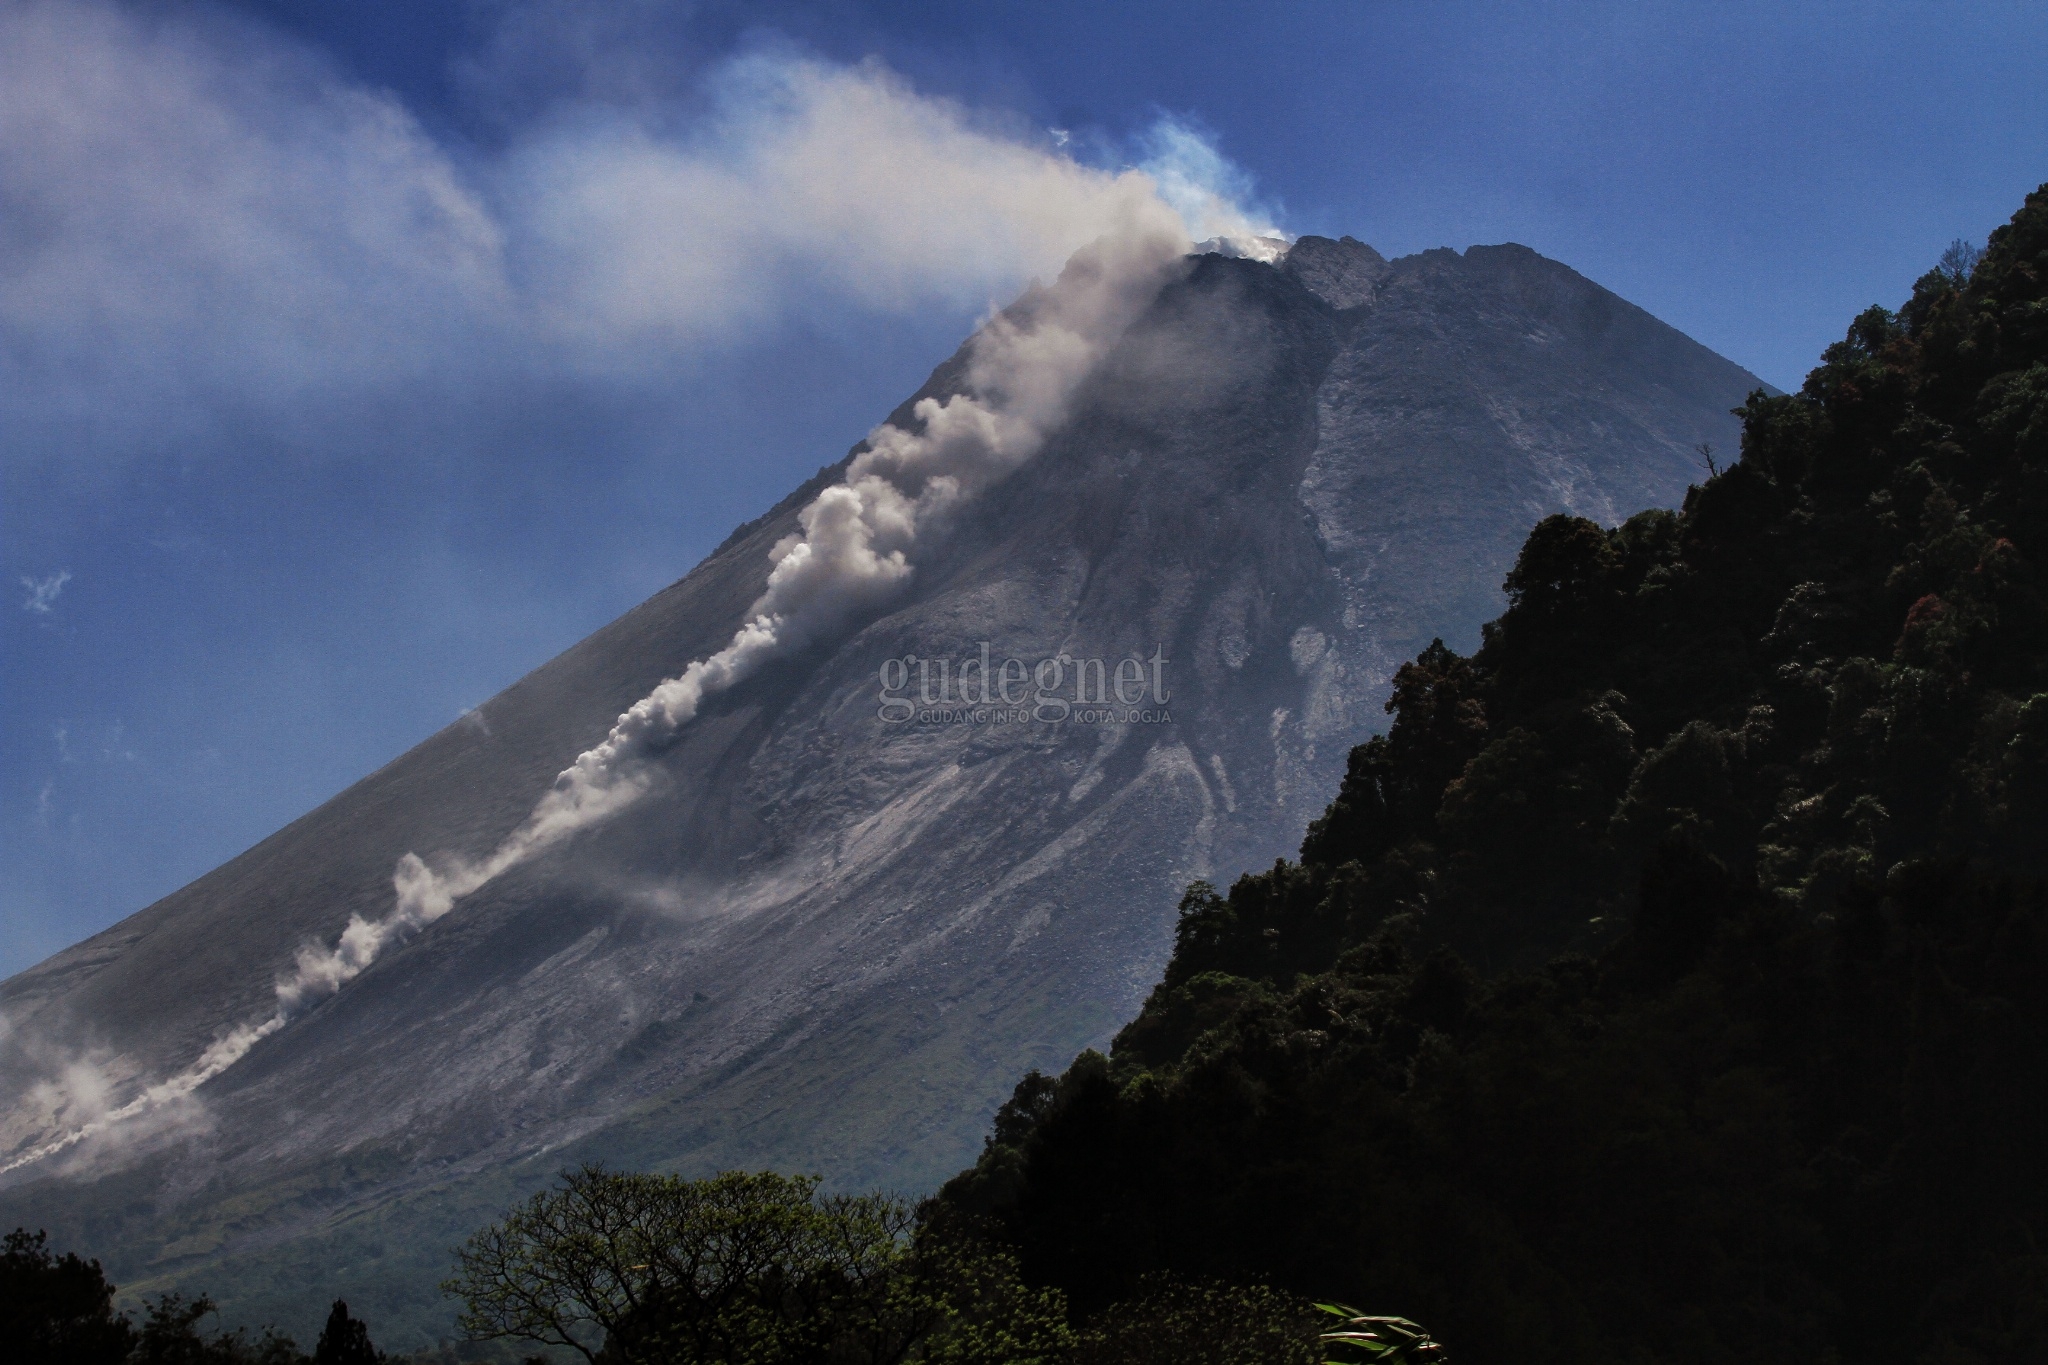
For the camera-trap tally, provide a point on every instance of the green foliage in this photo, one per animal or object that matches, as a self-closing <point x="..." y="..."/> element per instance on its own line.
<point x="58" y="1310"/>
<point x="1362" y="1337"/>
<point x="747" y="1268"/>
<point x="1739" y="817"/>
<point x="1178" y="1322"/>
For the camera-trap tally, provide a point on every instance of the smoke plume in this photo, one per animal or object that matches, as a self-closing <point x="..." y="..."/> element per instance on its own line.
<point x="808" y="173"/>
<point x="856" y="548"/>
<point x="150" y="1102"/>
<point x="255" y="226"/>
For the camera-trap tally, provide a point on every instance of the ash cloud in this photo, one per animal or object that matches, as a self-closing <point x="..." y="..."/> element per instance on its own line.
<point x="76" y="1100"/>
<point x="855" y="551"/>
<point x="259" y="231"/>
<point x="265" y="226"/>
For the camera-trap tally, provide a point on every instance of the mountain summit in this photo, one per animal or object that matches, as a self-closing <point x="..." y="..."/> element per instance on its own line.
<point x="893" y="868"/>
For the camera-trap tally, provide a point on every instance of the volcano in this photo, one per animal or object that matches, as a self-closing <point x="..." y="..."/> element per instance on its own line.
<point x="886" y="874"/>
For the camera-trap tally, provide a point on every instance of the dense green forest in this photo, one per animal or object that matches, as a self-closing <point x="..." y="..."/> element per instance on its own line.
<point x="1670" y="982"/>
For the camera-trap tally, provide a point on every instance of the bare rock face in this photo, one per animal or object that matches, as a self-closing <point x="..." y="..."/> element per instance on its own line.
<point x="855" y="913"/>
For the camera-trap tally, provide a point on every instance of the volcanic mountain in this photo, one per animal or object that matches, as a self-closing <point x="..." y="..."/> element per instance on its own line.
<point x="891" y="870"/>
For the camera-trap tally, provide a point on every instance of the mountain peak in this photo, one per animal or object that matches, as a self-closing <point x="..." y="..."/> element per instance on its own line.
<point x="862" y="893"/>
<point x="1343" y="273"/>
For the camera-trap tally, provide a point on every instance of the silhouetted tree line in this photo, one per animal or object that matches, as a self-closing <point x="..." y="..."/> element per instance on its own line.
<point x="1670" y="981"/>
<point x="641" y="1269"/>
<point x="59" y="1310"/>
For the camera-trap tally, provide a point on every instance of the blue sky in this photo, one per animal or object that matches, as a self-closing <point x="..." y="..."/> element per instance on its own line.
<point x="327" y="408"/>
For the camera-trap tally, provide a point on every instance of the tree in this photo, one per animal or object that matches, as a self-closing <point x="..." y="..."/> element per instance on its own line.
<point x="170" y="1335"/>
<point x="345" y="1341"/>
<point x="743" y="1267"/>
<point x="1959" y="260"/>
<point x="57" y="1309"/>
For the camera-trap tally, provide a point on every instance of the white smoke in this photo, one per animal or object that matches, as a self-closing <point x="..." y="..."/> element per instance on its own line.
<point x="256" y="228"/>
<point x="818" y="173"/>
<point x="858" y="537"/>
<point x="82" y="1087"/>
<point x="854" y="551"/>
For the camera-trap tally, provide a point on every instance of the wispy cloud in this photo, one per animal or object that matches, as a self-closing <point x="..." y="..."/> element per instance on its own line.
<point x="258" y="230"/>
<point x="42" y="593"/>
<point x="1211" y="193"/>
<point x="114" y="743"/>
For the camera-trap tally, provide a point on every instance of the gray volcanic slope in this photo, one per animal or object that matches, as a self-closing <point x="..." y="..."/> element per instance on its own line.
<point x="830" y="942"/>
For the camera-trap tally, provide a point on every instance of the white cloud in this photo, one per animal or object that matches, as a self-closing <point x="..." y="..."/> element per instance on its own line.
<point x="43" y="592"/>
<point x="208" y="214"/>
<point x="1211" y="194"/>
<point x="199" y="217"/>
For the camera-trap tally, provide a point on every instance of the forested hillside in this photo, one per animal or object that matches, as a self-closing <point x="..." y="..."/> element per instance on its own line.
<point x="1670" y="982"/>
